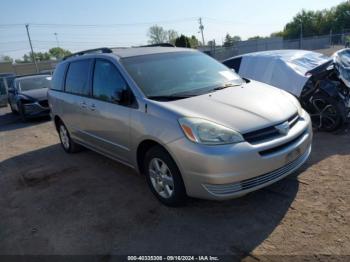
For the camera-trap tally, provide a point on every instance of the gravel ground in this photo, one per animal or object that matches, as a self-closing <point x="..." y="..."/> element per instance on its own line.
<point x="55" y="203"/>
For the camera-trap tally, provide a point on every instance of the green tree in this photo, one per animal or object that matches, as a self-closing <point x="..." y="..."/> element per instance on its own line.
<point x="319" y="22"/>
<point x="257" y="37"/>
<point x="277" y="34"/>
<point x="183" y="41"/>
<point x="6" y="59"/>
<point x="42" y="56"/>
<point x="58" y="53"/>
<point x="194" y="42"/>
<point x="27" y="58"/>
<point x="230" y="40"/>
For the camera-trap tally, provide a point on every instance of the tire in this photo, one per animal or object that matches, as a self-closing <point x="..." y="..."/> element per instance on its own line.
<point x="22" y="112"/>
<point x="327" y="114"/>
<point x="12" y="109"/>
<point x="66" y="141"/>
<point x="166" y="184"/>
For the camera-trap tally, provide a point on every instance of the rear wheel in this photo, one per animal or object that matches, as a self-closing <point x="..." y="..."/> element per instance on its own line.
<point x="67" y="143"/>
<point x="326" y="112"/>
<point x="164" y="177"/>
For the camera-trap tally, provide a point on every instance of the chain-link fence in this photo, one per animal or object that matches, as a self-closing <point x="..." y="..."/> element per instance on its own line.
<point x="277" y="43"/>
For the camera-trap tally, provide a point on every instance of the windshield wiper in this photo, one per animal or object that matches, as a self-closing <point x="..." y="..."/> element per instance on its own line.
<point x="169" y="97"/>
<point x="224" y="86"/>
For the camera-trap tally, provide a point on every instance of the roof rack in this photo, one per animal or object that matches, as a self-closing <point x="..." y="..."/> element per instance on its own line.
<point x="90" y="51"/>
<point x="160" y="44"/>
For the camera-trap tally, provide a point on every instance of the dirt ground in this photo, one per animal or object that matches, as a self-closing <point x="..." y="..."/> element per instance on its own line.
<point x="55" y="203"/>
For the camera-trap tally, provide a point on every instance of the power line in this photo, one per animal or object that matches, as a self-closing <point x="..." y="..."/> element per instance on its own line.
<point x="102" y="25"/>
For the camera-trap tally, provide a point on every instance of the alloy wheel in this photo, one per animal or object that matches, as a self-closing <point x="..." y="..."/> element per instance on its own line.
<point x="64" y="137"/>
<point x="324" y="115"/>
<point x="161" y="178"/>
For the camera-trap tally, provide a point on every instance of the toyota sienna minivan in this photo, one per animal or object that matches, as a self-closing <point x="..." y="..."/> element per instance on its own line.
<point x="187" y="122"/>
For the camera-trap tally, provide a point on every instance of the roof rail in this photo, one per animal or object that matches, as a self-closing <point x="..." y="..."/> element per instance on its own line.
<point x="160" y="44"/>
<point x="90" y="51"/>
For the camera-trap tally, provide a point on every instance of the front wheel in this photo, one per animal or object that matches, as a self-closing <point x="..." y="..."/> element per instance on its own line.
<point x="12" y="109"/>
<point x="22" y="112"/>
<point x="326" y="112"/>
<point x="164" y="177"/>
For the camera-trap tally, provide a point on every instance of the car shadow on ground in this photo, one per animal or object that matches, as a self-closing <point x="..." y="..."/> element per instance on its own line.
<point x="10" y="121"/>
<point x="55" y="203"/>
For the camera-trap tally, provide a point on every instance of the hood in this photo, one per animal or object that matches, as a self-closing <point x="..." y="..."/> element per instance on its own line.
<point x="243" y="108"/>
<point x="36" y="94"/>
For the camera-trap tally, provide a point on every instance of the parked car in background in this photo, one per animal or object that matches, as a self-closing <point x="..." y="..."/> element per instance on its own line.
<point x="28" y="96"/>
<point x="313" y="78"/>
<point x="47" y="71"/>
<point x="6" y="80"/>
<point x="187" y="122"/>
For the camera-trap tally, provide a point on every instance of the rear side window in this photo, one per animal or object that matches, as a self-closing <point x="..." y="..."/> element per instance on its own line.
<point x="234" y="63"/>
<point x="108" y="83"/>
<point x="58" y="77"/>
<point x="77" y="80"/>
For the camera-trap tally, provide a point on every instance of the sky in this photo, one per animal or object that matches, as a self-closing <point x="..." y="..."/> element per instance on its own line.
<point x="83" y="24"/>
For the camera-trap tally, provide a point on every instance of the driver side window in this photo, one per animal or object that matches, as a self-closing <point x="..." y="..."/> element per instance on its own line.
<point x="108" y="84"/>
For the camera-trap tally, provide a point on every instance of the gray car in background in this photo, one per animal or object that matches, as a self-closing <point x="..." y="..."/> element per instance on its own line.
<point x="6" y="80"/>
<point x="187" y="122"/>
<point x="28" y="96"/>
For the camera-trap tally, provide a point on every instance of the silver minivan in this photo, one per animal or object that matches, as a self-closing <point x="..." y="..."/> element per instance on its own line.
<point x="187" y="122"/>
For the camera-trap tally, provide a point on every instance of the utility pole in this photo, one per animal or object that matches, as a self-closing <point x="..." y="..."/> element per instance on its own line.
<point x="201" y="28"/>
<point x="301" y="35"/>
<point x="58" y="44"/>
<point x="31" y="48"/>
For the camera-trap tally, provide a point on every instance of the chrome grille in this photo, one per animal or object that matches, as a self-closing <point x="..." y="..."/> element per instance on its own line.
<point x="237" y="187"/>
<point x="270" y="132"/>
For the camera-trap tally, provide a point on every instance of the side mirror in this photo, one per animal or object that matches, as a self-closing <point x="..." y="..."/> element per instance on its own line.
<point x="11" y="90"/>
<point x="123" y="97"/>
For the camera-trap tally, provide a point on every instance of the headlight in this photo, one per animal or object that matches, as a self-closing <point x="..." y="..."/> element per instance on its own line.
<point x="205" y="132"/>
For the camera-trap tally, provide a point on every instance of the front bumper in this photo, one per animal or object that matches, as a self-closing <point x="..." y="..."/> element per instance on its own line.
<point x="36" y="109"/>
<point x="230" y="171"/>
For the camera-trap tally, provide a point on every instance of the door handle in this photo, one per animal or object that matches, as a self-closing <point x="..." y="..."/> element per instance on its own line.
<point x="83" y="104"/>
<point x="92" y="107"/>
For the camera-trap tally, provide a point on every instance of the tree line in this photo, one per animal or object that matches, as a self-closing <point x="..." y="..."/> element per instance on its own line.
<point x="53" y="53"/>
<point x="335" y="20"/>
<point x="159" y="35"/>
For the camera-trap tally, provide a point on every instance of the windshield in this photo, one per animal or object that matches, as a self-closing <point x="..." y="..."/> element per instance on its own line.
<point x="179" y="73"/>
<point x="32" y="83"/>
